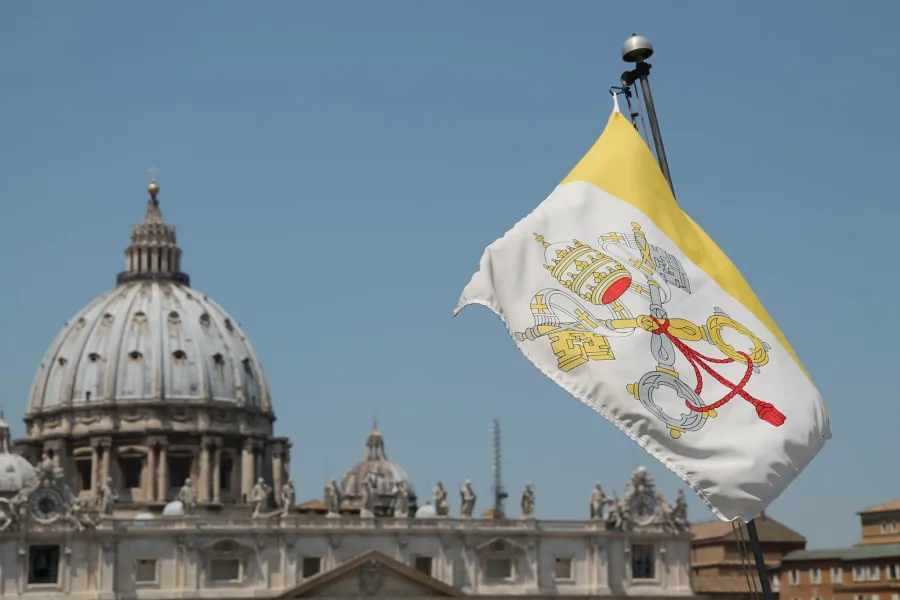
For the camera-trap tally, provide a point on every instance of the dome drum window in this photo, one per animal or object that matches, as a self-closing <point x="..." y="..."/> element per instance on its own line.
<point x="179" y="355"/>
<point x="135" y="355"/>
<point x="94" y="357"/>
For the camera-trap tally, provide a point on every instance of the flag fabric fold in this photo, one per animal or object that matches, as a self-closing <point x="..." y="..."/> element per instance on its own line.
<point x="613" y="292"/>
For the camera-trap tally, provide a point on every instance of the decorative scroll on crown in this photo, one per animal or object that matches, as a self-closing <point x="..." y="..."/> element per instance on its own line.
<point x="578" y="335"/>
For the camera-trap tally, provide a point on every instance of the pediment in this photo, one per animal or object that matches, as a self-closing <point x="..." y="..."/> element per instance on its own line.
<point x="500" y="546"/>
<point x="225" y="547"/>
<point x="372" y="574"/>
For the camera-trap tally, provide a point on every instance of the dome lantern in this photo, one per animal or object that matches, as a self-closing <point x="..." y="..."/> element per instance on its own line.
<point x="153" y="253"/>
<point x="375" y="444"/>
<point x="5" y="440"/>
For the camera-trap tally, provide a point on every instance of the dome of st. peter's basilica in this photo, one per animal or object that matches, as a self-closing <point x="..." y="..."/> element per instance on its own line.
<point x="153" y="383"/>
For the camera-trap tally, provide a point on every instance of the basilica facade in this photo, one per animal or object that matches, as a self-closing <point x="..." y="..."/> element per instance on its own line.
<point x="150" y="470"/>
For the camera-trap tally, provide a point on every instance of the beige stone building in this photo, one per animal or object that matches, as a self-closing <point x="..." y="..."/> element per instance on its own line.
<point x="150" y="470"/>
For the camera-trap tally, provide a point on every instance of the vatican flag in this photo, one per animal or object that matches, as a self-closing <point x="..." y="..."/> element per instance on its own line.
<point x="620" y="298"/>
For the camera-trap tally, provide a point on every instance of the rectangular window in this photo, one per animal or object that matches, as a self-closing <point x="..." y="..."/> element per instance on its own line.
<point x="83" y="469"/>
<point x="892" y="572"/>
<point x="145" y="570"/>
<point x="860" y="597"/>
<point x="224" y="570"/>
<point x="423" y="565"/>
<point x="837" y="575"/>
<point x="498" y="569"/>
<point x="226" y="467"/>
<point x="883" y="528"/>
<point x="894" y="527"/>
<point x="643" y="562"/>
<point x="43" y="565"/>
<point x="311" y="566"/>
<point x="130" y="468"/>
<point x="776" y="582"/>
<point x="895" y="596"/>
<point x="179" y="470"/>
<point x="874" y="596"/>
<point x="794" y="577"/>
<point x="815" y="576"/>
<point x="562" y="569"/>
<point x="859" y="573"/>
<point x="875" y="573"/>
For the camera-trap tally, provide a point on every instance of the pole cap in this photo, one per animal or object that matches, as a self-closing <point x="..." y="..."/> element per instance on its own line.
<point x="637" y="48"/>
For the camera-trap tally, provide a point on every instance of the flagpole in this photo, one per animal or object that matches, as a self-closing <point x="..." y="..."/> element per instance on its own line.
<point x="760" y="560"/>
<point x="637" y="49"/>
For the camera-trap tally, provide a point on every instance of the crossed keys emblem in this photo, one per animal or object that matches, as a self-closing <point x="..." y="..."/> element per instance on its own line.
<point x="599" y="277"/>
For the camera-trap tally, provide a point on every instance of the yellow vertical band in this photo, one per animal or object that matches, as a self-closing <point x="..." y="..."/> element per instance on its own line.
<point x="621" y="164"/>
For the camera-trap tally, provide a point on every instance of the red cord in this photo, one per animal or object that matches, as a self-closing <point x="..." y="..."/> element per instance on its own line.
<point x="764" y="410"/>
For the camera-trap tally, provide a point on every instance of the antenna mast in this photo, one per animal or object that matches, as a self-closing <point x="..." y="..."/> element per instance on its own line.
<point x="499" y="493"/>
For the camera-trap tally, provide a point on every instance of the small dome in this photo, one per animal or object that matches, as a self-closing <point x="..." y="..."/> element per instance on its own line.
<point x="173" y="509"/>
<point x="427" y="512"/>
<point x="386" y="474"/>
<point x="15" y="473"/>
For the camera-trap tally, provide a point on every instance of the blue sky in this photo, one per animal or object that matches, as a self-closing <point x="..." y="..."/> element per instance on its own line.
<point x="335" y="170"/>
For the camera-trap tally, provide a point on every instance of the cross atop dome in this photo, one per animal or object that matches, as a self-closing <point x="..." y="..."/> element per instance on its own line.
<point x="153" y="253"/>
<point x="154" y="215"/>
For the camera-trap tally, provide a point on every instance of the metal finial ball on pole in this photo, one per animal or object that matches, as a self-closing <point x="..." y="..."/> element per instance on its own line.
<point x="637" y="48"/>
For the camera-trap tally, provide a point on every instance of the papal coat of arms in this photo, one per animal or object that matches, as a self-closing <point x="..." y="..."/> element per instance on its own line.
<point x="370" y="577"/>
<point x="602" y="288"/>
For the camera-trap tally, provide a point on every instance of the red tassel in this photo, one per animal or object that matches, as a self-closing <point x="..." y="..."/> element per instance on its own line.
<point x="770" y="414"/>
